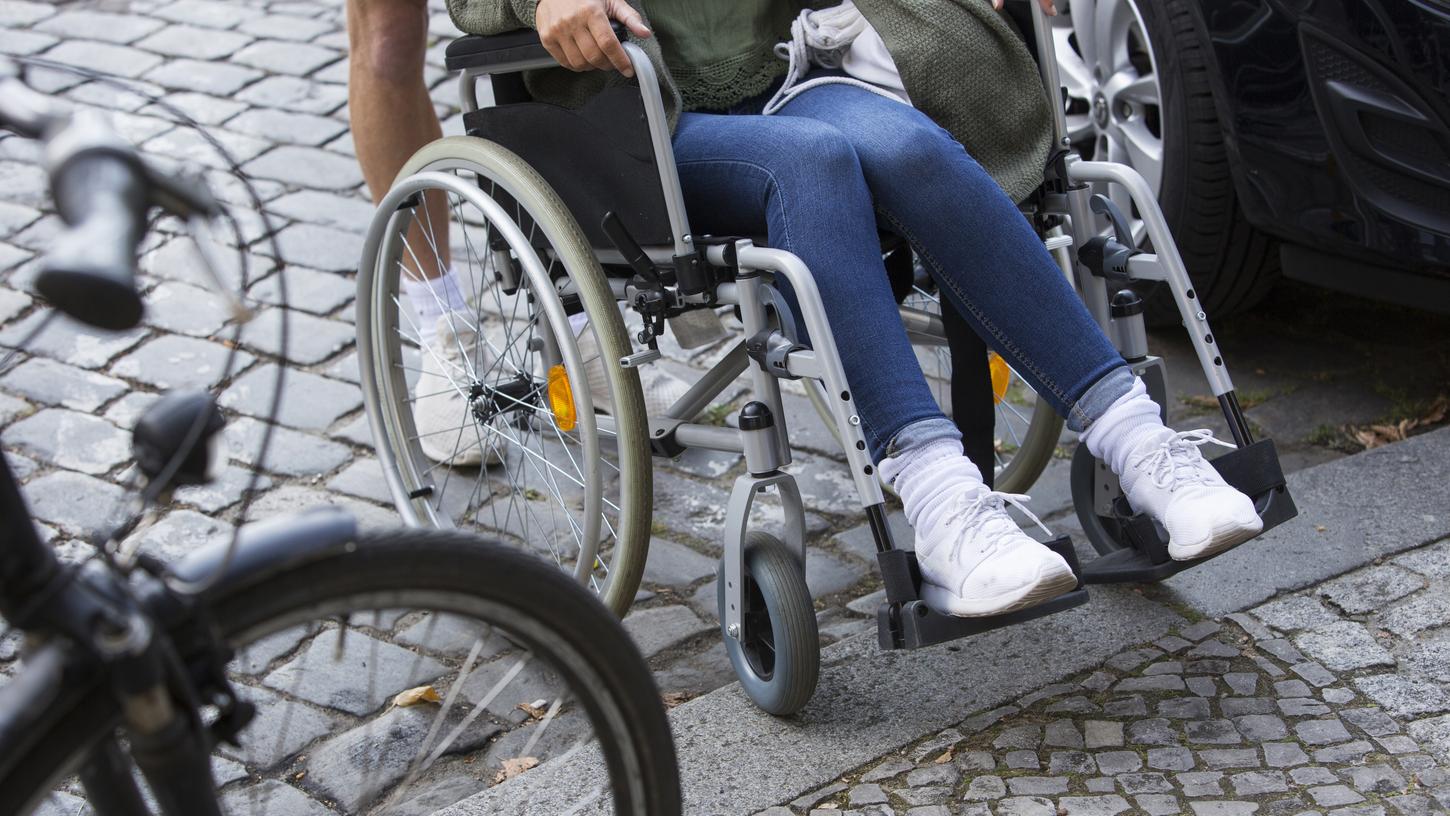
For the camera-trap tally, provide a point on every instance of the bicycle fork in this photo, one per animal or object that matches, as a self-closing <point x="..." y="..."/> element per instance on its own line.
<point x="168" y="742"/>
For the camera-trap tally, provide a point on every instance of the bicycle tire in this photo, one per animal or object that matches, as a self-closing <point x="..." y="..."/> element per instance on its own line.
<point x="619" y="696"/>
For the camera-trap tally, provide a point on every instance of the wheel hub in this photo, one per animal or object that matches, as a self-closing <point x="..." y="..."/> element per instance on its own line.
<point x="1100" y="111"/>
<point x="1114" y="95"/>
<point x="519" y="396"/>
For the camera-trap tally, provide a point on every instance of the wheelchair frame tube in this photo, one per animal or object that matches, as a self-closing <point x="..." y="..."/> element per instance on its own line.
<point x="1195" y="320"/>
<point x="1051" y="77"/>
<point x="808" y="296"/>
<point x="766" y="386"/>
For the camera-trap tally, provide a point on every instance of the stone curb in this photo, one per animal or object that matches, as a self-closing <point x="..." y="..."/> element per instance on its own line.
<point x="736" y="760"/>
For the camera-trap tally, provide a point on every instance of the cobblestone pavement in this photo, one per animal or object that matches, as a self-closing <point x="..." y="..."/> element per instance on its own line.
<point x="1329" y="701"/>
<point x="268" y="79"/>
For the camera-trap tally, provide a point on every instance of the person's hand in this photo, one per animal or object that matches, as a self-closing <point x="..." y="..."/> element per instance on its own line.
<point x="577" y="33"/>
<point x="1047" y="7"/>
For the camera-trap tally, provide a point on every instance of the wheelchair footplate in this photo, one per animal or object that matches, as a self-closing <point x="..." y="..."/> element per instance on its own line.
<point x="904" y="621"/>
<point x="1253" y="469"/>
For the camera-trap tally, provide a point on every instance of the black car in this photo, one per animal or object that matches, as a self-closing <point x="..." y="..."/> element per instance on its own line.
<point x="1308" y="136"/>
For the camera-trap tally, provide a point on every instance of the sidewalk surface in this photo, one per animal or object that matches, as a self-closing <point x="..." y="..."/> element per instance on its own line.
<point x="268" y="79"/>
<point x="1318" y="683"/>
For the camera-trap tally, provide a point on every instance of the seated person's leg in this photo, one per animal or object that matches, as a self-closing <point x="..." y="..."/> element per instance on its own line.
<point x="800" y="182"/>
<point x="988" y="262"/>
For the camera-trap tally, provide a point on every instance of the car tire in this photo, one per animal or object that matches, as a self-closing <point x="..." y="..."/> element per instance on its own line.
<point x="1231" y="263"/>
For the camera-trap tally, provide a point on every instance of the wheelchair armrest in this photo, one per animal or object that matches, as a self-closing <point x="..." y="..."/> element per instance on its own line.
<point x="485" y="51"/>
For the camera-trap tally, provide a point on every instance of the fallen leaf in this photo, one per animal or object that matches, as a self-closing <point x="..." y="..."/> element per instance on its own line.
<point x="1373" y="436"/>
<point x="1319" y="528"/>
<point x="944" y="758"/>
<point x="674" y="698"/>
<point x="417" y="696"/>
<point x="514" y="767"/>
<point x="534" y="710"/>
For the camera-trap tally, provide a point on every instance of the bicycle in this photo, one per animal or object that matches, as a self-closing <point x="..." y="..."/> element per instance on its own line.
<point x="203" y="687"/>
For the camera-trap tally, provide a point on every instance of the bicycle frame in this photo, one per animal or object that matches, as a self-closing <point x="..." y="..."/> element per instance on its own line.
<point x="60" y="607"/>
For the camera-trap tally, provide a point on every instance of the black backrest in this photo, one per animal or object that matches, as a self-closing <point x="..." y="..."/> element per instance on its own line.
<point x="599" y="158"/>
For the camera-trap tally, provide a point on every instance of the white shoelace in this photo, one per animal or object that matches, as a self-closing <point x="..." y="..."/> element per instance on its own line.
<point x="1175" y="461"/>
<point x="821" y="37"/>
<point x="987" y="508"/>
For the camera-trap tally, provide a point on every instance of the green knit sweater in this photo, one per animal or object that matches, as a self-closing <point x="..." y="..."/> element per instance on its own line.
<point x="962" y="63"/>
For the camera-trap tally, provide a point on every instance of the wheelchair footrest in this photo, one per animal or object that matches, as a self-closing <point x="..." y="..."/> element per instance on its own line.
<point x="1254" y="470"/>
<point x="904" y="621"/>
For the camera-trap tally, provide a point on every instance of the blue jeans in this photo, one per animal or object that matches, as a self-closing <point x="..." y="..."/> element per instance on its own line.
<point x="817" y="177"/>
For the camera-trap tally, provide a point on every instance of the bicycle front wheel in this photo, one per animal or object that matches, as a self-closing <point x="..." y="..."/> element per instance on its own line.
<point x="399" y="675"/>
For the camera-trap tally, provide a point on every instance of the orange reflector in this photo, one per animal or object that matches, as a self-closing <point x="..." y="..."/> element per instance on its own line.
<point x="561" y="398"/>
<point x="1001" y="376"/>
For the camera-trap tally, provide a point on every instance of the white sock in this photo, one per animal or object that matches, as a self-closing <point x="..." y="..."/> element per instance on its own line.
<point x="431" y="297"/>
<point x="1128" y="422"/>
<point x="927" y="475"/>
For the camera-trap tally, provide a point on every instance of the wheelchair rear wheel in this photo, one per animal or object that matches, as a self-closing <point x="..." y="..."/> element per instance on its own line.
<point x="1027" y="429"/>
<point x="517" y="419"/>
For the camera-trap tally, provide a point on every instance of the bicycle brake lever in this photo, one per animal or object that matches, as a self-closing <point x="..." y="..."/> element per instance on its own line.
<point x="201" y="237"/>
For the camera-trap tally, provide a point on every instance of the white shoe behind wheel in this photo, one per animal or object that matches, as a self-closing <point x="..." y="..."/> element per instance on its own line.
<point x="447" y="431"/>
<point x="661" y="388"/>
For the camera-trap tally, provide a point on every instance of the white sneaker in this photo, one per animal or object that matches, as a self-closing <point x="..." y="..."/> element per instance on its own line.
<point x="977" y="562"/>
<point x="661" y="388"/>
<point x="1168" y="478"/>
<point x="447" y="431"/>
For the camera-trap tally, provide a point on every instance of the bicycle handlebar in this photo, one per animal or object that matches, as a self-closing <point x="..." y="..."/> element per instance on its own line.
<point x="90" y="271"/>
<point x="103" y="190"/>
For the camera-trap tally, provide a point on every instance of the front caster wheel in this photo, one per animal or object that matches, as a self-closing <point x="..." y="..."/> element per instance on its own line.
<point x="1105" y="533"/>
<point x="778" y="655"/>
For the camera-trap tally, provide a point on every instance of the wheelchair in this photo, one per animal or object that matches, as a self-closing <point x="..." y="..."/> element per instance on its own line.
<point x="570" y="219"/>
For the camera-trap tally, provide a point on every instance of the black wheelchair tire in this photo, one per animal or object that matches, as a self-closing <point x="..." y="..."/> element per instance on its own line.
<point x="1102" y="533"/>
<point x="776" y="581"/>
